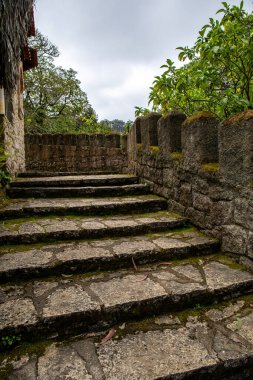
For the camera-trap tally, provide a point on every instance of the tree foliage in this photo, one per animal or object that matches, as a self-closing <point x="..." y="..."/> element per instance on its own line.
<point x="217" y="75"/>
<point x="53" y="100"/>
<point x="116" y="125"/>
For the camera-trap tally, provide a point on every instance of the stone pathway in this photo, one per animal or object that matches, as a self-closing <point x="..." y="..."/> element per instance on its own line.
<point x="139" y="289"/>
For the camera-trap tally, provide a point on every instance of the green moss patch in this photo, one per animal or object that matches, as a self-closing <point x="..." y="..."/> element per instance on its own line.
<point x="245" y="115"/>
<point x="177" y="156"/>
<point x="139" y="148"/>
<point x="211" y="167"/>
<point x="154" y="150"/>
<point x="198" y="116"/>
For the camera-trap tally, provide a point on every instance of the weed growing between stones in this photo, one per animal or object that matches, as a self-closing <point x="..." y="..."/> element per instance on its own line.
<point x="9" y="341"/>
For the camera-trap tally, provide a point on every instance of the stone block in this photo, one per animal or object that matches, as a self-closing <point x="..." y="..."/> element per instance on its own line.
<point x="243" y="213"/>
<point x="250" y="245"/>
<point x="199" y="140"/>
<point x="234" y="239"/>
<point x="219" y="214"/>
<point x="196" y="217"/>
<point x="201" y="202"/>
<point x="169" y="133"/>
<point x="185" y="194"/>
<point x="236" y="148"/>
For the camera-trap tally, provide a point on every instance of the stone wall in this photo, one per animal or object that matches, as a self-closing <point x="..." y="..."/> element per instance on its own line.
<point x="76" y="153"/>
<point x="12" y="133"/>
<point x="204" y="168"/>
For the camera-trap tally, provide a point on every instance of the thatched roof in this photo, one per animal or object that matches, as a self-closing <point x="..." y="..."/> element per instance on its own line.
<point x="15" y="16"/>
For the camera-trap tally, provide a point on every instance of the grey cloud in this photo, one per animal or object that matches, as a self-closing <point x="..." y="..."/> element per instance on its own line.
<point x="104" y="39"/>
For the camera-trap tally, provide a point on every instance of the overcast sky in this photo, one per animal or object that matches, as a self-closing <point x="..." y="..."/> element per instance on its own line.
<point x="118" y="46"/>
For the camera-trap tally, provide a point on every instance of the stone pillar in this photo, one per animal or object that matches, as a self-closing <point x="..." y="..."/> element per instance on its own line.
<point x="236" y="148"/>
<point x="200" y="140"/>
<point x="123" y="142"/>
<point x="137" y="129"/>
<point x="149" y="136"/>
<point x="169" y="133"/>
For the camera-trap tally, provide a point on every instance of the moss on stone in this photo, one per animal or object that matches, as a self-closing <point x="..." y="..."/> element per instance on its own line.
<point x="4" y="201"/>
<point x="154" y="150"/>
<point x="177" y="156"/>
<point x="245" y="115"/>
<point x="26" y="349"/>
<point x="198" y="116"/>
<point x="211" y="167"/>
<point x="139" y="148"/>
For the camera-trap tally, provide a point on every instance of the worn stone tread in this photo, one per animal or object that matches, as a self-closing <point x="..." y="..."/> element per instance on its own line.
<point x="88" y="191"/>
<point x="66" y="228"/>
<point x="187" y="346"/>
<point x="83" y="257"/>
<point x="90" y="206"/>
<point x="42" y="174"/>
<point x="76" y="180"/>
<point x="80" y="303"/>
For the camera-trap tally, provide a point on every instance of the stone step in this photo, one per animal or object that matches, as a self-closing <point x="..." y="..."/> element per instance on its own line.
<point x="34" y="230"/>
<point x="207" y="344"/>
<point x="42" y="174"/>
<point x="63" y="306"/>
<point x="88" y="191"/>
<point x="108" y="254"/>
<point x="85" y="207"/>
<point x="76" y="181"/>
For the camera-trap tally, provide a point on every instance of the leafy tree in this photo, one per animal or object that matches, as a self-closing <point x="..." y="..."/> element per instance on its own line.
<point x="116" y="125"/>
<point x="53" y="99"/>
<point x="128" y="126"/>
<point x="141" y="111"/>
<point x="218" y="73"/>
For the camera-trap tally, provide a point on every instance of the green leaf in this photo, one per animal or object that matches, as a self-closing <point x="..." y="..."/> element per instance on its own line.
<point x="215" y="49"/>
<point x="221" y="11"/>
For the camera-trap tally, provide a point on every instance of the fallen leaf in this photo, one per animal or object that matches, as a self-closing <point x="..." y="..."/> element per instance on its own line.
<point x="239" y="323"/>
<point x="67" y="275"/>
<point x="134" y="265"/>
<point x="108" y="336"/>
<point x="123" y="326"/>
<point x="142" y="279"/>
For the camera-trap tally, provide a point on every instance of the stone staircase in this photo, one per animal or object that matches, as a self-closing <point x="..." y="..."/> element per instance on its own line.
<point x="100" y="282"/>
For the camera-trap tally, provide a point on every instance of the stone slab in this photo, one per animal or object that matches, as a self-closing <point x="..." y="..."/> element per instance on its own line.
<point x="105" y="254"/>
<point x="83" y="207"/>
<point x="88" y="191"/>
<point x="62" y="363"/>
<point x="80" y="302"/>
<point x="17" y="232"/>
<point x="76" y="180"/>
<point x="194" y="347"/>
